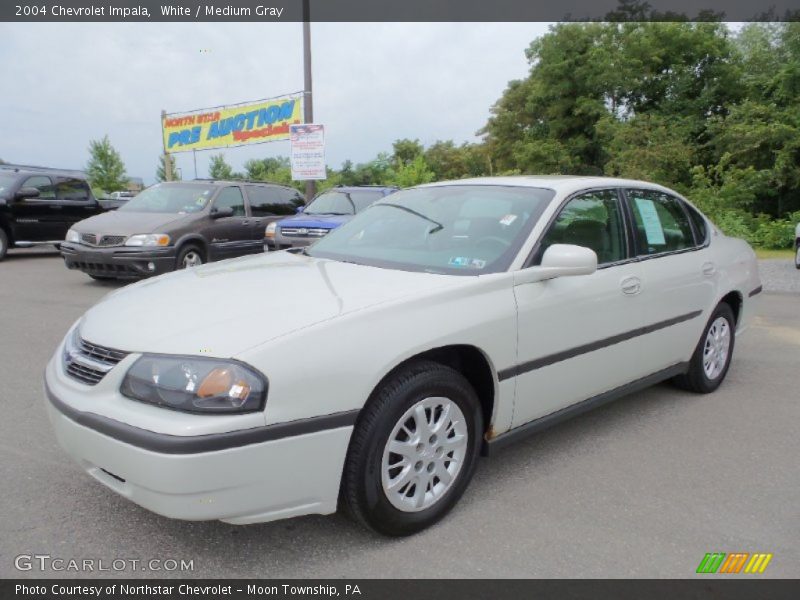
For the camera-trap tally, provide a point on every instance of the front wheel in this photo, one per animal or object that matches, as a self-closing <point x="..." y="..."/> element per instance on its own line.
<point x="414" y="450"/>
<point x="189" y="256"/>
<point x="797" y="258"/>
<point x="712" y="357"/>
<point x="3" y="244"/>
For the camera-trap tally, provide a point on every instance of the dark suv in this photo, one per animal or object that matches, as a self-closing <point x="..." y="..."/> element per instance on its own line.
<point x="38" y="205"/>
<point x="176" y="225"/>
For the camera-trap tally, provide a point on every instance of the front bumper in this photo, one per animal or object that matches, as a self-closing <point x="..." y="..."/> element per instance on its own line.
<point x="184" y="476"/>
<point x="118" y="261"/>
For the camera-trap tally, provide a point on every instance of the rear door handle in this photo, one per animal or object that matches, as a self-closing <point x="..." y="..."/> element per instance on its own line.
<point x="709" y="269"/>
<point x="631" y="286"/>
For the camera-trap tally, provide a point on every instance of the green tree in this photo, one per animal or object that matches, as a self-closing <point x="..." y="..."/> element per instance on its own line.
<point x="413" y="173"/>
<point x="105" y="169"/>
<point x="406" y="151"/>
<point x="218" y="168"/>
<point x="161" y="174"/>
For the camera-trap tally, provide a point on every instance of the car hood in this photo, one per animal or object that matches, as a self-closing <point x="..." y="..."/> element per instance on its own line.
<point x="130" y="223"/>
<point x="320" y="221"/>
<point x="222" y="309"/>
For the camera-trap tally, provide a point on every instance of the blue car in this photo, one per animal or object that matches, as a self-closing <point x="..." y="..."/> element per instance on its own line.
<point x="326" y="212"/>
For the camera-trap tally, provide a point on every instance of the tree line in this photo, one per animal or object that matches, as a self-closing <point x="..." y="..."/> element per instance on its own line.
<point x="712" y="113"/>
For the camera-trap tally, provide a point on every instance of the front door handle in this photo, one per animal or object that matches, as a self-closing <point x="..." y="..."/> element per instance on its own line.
<point x="709" y="269"/>
<point x="631" y="286"/>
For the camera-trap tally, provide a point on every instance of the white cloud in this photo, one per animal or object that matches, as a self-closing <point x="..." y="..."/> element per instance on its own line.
<point x="65" y="84"/>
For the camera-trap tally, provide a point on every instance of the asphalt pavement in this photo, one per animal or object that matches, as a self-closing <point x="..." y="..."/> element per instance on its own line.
<point x="644" y="487"/>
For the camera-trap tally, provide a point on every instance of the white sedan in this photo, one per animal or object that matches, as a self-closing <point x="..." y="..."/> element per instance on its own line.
<point x="372" y="369"/>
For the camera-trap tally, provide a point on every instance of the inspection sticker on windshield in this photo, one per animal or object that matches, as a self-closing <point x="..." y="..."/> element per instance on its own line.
<point x="463" y="261"/>
<point x="508" y="220"/>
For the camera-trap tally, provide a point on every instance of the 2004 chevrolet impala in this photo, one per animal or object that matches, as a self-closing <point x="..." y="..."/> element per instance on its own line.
<point x="372" y="369"/>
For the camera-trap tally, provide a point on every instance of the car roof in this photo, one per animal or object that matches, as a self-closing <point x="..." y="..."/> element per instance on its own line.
<point x="200" y="181"/>
<point x="558" y="183"/>
<point x="33" y="170"/>
<point x="357" y="188"/>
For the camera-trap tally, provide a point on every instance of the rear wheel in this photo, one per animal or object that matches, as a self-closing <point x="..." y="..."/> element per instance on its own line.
<point x="797" y="258"/>
<point x="712" y="357"/>
<point x="190" y="256"/>
<point x="413" y="451"/>
<point x="3" y="244"/>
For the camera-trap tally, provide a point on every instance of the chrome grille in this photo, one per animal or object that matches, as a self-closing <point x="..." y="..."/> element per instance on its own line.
<point x="304" y="231"/>
<point x="98" y="240"/>
<point x="89" y="363"/>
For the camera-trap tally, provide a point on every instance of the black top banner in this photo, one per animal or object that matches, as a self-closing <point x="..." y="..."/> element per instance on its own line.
<point x="395" y="10"/>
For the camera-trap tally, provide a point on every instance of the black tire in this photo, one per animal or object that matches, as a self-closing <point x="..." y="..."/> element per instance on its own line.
<point x="696" y="379"/>
<point x="3" y="244"/>
<point x="186" y="251"/>
<point x="362" y="492"/>
<point x="797" y="256"/>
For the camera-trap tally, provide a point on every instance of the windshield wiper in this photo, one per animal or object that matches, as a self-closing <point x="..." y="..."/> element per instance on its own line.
<point x="332" y="214"/>
<point x="438" y="227"/>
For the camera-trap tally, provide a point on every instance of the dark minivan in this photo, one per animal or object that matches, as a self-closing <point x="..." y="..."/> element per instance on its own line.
<point x="176" y="225"/>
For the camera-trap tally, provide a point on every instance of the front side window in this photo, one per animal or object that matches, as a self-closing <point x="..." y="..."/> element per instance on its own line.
<point x="659" y="223"/>
<point x="453" y="229"/>
<point x="231" y="197"/>
<point x="178" y="198"/>
<point x="43" y="184"/>
<point x="592" y="220"/>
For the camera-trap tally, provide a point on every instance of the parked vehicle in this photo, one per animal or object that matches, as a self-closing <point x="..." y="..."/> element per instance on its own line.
<point x="177" y="225"/>
<point x="116" y="199"/>
<point x="797" y="246"/>
<point x="326" y="212"/>
<point x="446" y="320"/>
<point x="38" y="205"/>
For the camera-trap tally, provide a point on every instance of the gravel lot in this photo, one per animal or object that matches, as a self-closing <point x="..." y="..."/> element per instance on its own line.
<point x="643" y="487"/>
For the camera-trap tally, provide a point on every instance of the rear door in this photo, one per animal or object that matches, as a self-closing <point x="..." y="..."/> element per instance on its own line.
<point x="678" y="276"/>
<point x="75" y="199"/>
<point x="229" y="236"/>
<point x="270" y="203"/>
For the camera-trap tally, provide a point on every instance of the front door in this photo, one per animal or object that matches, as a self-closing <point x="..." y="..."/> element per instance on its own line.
<point x="578" y="336"/>
<point x="38" y="219"/>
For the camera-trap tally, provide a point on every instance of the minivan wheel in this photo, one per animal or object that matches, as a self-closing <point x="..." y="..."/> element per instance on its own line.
<point x="3" y="244"/>
<point x="712" y="357"/>
<point x="190" y="256"/>
<point x="413" y="451"/>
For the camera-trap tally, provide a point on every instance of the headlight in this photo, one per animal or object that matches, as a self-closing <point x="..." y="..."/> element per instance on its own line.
<point x="270" y="231"/>
<point x="148" y="239"/>
<point x="195" y="384"/>
<point x="73" y="236"/>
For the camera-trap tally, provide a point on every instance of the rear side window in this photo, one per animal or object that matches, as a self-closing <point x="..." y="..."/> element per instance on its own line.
<point x="660" y="224"/>
<point x="231" y="197"/>
<point x="700" y="227"/>
<point x="268" y="201"/>
<point x="72" y="189"/>
<point x="43" y="184"/>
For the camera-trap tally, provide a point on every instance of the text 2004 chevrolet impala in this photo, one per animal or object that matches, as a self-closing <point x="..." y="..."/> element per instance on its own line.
<point x="372" y="369"/>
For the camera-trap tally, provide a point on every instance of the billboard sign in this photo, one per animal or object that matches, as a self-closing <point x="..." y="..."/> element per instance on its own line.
<point x="236" y="125"/>
<point x="308" y="152"/>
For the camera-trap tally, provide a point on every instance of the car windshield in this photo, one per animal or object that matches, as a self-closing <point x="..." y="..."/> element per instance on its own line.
<point x="453" y="229"/>
<point x="339" y="202"/>
<point x="178" y="198"/>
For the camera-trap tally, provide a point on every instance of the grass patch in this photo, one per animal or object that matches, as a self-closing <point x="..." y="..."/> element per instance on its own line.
<point x="766" y="253"/>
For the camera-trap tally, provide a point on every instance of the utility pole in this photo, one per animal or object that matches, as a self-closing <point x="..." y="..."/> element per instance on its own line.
<point x="308" y="105"/>
<point x="167" y="157"/>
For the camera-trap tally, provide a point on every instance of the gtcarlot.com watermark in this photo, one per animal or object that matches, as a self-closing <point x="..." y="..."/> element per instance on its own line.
<point x="46" y="562"/>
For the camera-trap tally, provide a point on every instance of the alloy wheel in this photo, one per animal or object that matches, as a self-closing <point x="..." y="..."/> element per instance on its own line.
<point x="716" y="348"/>
<point x="192" y="259"/>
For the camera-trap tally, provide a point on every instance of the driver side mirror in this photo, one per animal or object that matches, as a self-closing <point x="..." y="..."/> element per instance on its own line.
<point x="27" y="192"/>
<point x="560" y="260"/>
<point x="300" y="209"/>
<point x="218" y="213"/>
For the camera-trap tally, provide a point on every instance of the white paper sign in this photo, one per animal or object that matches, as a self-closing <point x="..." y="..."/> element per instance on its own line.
<point x="307" y="152"/>
<point x="652" y="224"/>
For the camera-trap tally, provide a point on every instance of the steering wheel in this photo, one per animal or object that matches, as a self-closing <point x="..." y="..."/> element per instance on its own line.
<point x="495" y="241"/>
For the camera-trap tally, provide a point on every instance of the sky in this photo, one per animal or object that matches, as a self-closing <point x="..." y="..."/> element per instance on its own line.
<point x="67" y="84"/>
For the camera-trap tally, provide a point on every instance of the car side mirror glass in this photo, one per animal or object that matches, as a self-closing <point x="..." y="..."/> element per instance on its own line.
<point x="560" y="260"/>
<point x="224" y="211"/>
<point x="27" y="192"/>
